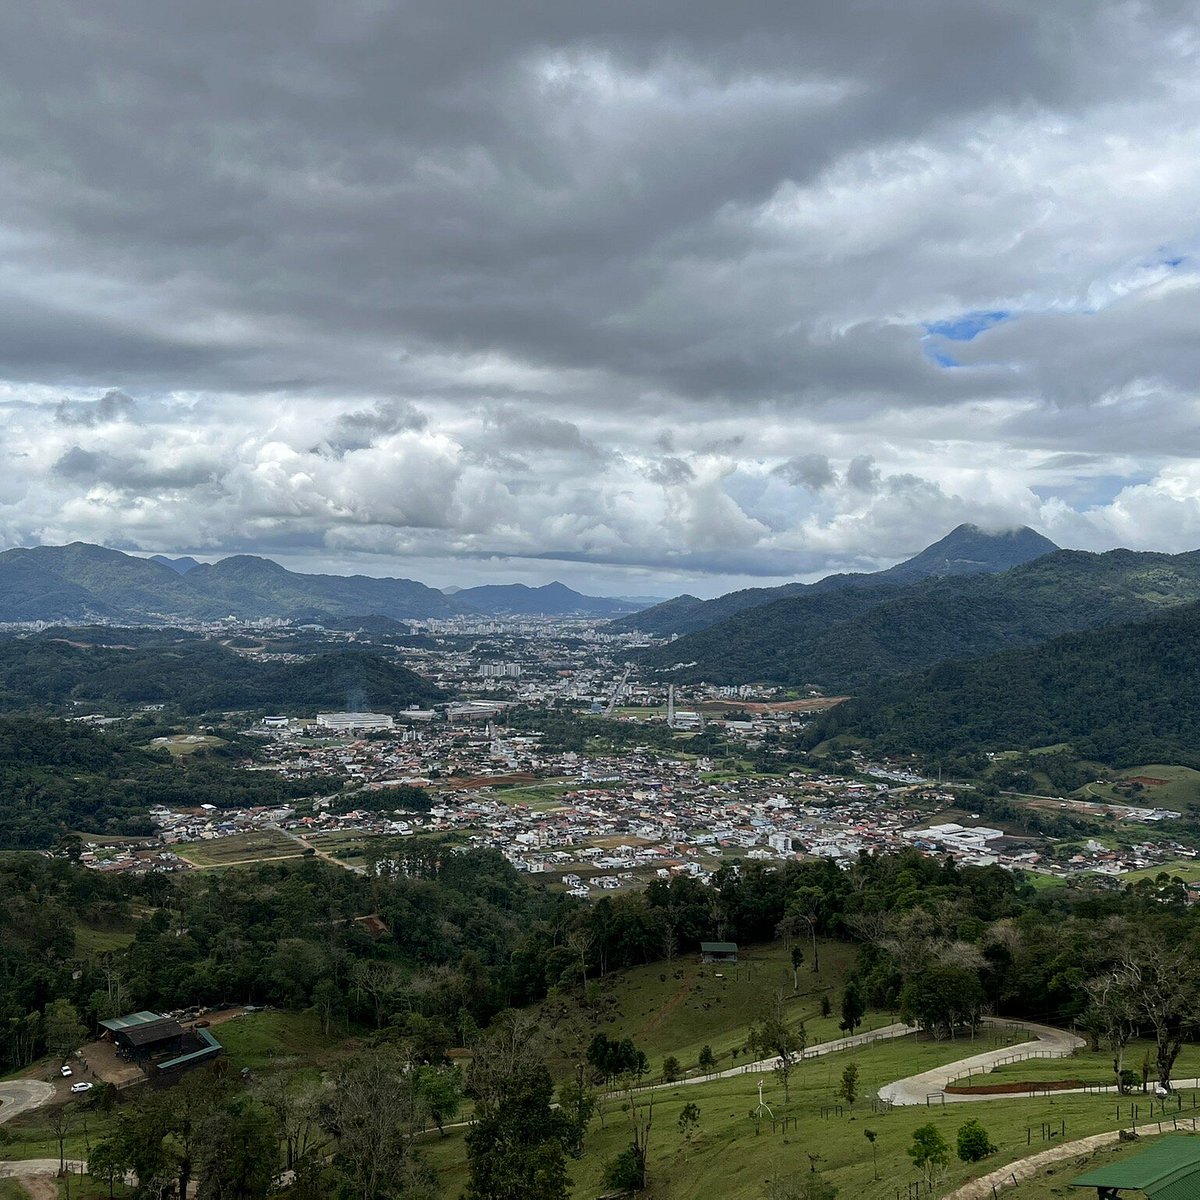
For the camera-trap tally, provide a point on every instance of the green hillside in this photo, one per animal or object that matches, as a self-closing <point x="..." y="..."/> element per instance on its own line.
<point x="196" y="676"/>
<point x="1122" y="695"/>
<point x="81" y="582"/>
<point x="965" y="550"/>
<point x="846" y="639"/>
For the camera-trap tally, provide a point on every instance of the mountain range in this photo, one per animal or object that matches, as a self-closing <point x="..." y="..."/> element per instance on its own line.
<point x="81" y="582"/>
<point x="843" y="640"/>
<point x="965" y="550"/>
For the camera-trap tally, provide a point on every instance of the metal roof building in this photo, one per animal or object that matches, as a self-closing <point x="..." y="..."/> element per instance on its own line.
<point x="1169" y="1169"/>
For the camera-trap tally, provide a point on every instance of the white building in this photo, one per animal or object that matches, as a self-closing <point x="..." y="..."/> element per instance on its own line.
<point x="354" y="720"/>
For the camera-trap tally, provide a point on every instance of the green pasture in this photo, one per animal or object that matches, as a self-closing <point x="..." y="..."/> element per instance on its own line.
<point x="677" y="1008"/>
<point x="744" y="1156"/>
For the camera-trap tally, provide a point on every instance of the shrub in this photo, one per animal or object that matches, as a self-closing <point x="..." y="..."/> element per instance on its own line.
<point x="973" y="1142"/>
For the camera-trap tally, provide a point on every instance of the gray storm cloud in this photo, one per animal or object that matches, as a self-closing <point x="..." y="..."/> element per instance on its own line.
<point x="683" y="292"/>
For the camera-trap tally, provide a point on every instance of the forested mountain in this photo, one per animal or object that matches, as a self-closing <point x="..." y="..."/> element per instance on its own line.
<point x="84" y="582"/>
<point x="81" y="582"/>
<point x="198" y="676"/>
<point x="965" y="550"/>
<point x="553" y="599"/>
<point x="1122" y="695"/>
<point x="844" y="639"/>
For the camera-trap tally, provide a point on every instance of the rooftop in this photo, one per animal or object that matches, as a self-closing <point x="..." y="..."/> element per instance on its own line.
<point x="1167" y="1170"/>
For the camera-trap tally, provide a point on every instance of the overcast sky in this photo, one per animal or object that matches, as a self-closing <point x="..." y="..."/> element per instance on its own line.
<point x="648" y="297"/>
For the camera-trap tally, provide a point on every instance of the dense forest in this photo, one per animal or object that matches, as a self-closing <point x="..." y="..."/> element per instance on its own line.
<point x="1121" y="696"/>
<point x="195" y="675"/>
<point x="846" y="639"/>
<point x="63" y="777"/>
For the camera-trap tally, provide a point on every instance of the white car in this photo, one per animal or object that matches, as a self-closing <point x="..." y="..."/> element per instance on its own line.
<point x="66" y="1072"/>
<point x="81" y="1087"/>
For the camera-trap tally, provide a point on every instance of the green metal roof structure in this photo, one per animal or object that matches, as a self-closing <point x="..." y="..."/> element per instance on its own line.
<point x="131" y="1021"/>
<point x="718" y="947"/>
<point x="1168" y="1170"/>
<point x="210" y="1049"/>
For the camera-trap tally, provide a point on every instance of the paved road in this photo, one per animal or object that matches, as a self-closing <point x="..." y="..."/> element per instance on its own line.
<point x="20" y="1095"/>
<point x="917" y="1089"/>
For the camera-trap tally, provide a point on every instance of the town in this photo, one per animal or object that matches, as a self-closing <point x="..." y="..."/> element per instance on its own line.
<point x="603" y="817"/>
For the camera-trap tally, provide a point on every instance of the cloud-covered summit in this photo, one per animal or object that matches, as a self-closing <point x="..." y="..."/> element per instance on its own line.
<point x="660" y="290"/>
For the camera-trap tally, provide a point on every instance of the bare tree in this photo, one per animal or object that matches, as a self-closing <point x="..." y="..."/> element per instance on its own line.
<point x="373" y="1112"/>
<point x="1162" y="979"/>
<point x="380" y="981"/>
<point x="295" y="1105"/>
<point x="1114" y="1009"/>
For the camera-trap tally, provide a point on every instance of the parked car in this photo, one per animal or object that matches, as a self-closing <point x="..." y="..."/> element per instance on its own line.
<point x="82" y="1087"/>
<point x="66" y="1072"/>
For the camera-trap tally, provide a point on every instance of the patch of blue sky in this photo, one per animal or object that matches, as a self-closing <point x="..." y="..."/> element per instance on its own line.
<point x="969" y="325"/>
<point x="941" y="357"/>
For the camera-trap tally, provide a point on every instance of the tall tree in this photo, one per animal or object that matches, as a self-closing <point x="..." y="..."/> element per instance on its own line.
<point x="515" y="1149"/>
<point x="774" y="1038"/>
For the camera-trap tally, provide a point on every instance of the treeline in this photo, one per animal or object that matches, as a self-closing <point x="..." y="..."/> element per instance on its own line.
<point x="197" y="676"/>
<point x="59" y="777"/>
<point x="1121" y="696"/>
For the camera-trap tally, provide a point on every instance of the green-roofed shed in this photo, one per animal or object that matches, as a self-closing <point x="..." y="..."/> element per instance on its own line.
<point x="1169" y="1169"/>
<point x="719" y="952"/>
<point x="113" y="1024"/>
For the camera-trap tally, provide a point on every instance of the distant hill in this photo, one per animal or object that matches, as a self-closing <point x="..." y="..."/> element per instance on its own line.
<point x="965" y="550"/>
<point x="182" y="565"/>
<point x="553" y="599"/>
<point x="844" y="639"/>
<point x="1122" y="695"/>
<point x="197" y="676"/>
<point x="81" y="582"/>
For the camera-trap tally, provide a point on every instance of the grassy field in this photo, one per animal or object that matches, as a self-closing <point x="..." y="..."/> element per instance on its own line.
<point x="541" y="797"/>
<point x="1180" y="789"/>
<point x="730" y="1150"/>
<point x="239" y="848"/>
<point x="30" y="1134"/>
<point x="91" y="942"/>
<point x="268" y="1040"/>
<point x="1189" y="872"/>
<point x="178" y="745"/>
<point x="679" y="1008"/>
<point x="1094" y="1066"/>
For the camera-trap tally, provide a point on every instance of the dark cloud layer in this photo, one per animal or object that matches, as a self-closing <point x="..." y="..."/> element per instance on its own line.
<point x="663" y="288"/>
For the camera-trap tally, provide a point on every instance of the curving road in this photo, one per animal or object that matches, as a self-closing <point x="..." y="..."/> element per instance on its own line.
<point x="1046" y="1042"/>
<point x="20" y="1095"/>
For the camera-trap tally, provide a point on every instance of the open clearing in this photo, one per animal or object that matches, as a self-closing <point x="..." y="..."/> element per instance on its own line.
<point x="239" y="849"/>
<point x="1162" y="786"/>
<point x="179" y="744"/>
